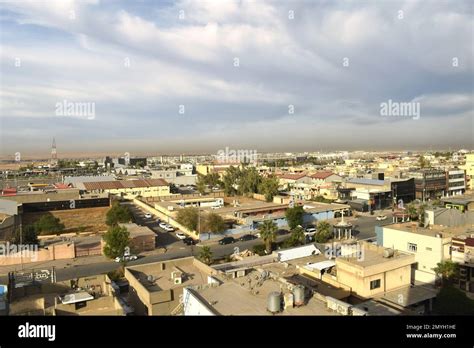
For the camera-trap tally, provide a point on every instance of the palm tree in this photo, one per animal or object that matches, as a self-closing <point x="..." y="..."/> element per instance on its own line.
<point x="298" y="235"/>
<point x="268" y="233"/>
<point x="412" y="211"/>
<point x="324" y="232"/>
<point x="206" y="255"/>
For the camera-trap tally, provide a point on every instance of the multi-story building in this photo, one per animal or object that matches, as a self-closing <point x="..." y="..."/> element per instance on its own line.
<point x="469" y="168"/>
<point x="429" y="183"/>
<point x="456" y="182"/>
<point x="430" y="245"/>
<point x="462" y="252"/>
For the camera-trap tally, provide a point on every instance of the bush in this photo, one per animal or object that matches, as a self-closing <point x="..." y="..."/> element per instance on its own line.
<point x="48" y="224"/>
<point x="259" y="249"/>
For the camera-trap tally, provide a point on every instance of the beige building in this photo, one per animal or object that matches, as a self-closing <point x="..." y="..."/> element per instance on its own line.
<point x="376" y="271"/>
<point x="469" y="168"/>
<point x="93" y="295"/>
<point x="157" y="288"/>
<point x="130" y="188"/>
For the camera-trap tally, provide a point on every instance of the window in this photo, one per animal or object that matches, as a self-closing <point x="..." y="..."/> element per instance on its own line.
<point x="375" y="284"/>
<point x="412" y="247"/>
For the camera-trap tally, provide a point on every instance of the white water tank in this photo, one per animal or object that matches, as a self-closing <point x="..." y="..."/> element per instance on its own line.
<point x="388" y="252"/>
<point x="298" y="293"/>
<point x="274" y="302"/>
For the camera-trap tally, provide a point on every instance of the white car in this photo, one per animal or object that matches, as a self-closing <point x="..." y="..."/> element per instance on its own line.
<point x="180" y="235"/>
<point x="310" y="231"/>
<point x="126" y="258"/>
<point x="168" y="228"/>
<point x="381" y="218"/>
<point x="163" y="225"/>
<point x="148" y="215"/>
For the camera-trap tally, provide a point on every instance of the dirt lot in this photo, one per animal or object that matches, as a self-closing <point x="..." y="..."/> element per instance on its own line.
<point x="77" y="220"/>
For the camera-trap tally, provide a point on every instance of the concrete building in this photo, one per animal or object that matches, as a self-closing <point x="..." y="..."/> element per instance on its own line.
<point x="142" y="238"/>
<point x="456" y="182"/>
<point x="469" y="168"/>
<point x="462" y="252"/>
<point x="93" y="295"/>
<point x="157" y="288"/>
<point x="130" y="188"/>
<point x="430" y="183"/>
<point x="430" y="245"/>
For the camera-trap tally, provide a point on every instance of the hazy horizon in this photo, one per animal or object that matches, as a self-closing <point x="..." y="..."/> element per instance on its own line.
<point x="195" y="77"/>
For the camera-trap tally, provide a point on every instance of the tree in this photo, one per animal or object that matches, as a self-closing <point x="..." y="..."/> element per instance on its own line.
<point x="297" y="238"/>
<point x="269" y="187"/>
<point x="118" y="213"/>
<point x="294" y="216"/>
<point x="116" y="240"/>
<point x="212" y="179"/>
<point x="231" y="180"/>
<point x="205" y="255"/>
<point x="214" y="223"/>
<point x="201" y="185"/>
<point x="48" y="224"/>
<point x="324" y="232"/>
<point x="268" y="233"/>
<point x="29" y="235"/>
<point x="188" y="217"/>
<point x="249" y="181"/>
<point x="412" y="211"/>
<point x="421" y="214"/>
<point x="446" y="270"/>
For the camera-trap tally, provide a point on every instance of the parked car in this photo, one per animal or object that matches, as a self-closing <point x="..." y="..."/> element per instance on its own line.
<point x="168" y="228"/>
<point x="282" y="232"/>
<point x="181" y="235"/>
<point x="148" y="215"/>
<point x="381" y="217"/>
<point x="310" y="231"/>
<point x="216" y="207"/>
<point x="227" y="240"/>
<point x="126" y="258"/>
<point x="163" y="224"/>
<point x="189" y="241"/>
<point x="247" y="237"/>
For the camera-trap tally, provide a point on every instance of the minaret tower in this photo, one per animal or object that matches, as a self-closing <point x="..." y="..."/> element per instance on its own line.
<point x="54" y="155"/>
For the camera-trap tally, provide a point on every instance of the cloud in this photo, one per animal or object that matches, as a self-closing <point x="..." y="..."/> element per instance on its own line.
<point x="236" y="67"/>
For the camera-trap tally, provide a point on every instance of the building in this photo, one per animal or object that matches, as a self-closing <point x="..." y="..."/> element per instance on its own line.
<point x="157" y="288"/>
<point x="130" y="188"/>
<point x="133" y="161"/>
<point x="430" y="183"/>
<point x="288" y="180"/>
<point x="430" y="245"/>
<point x="92" y="295"/>
<point x="456" y="182"/>
<point x="469" y="168"/>
<point x="462" y="252"/>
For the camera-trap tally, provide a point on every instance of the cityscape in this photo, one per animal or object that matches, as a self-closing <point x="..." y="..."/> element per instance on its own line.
<point x="237" y="158"/>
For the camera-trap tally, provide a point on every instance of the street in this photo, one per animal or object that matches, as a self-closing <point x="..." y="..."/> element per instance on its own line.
<point x="364" y="228"/>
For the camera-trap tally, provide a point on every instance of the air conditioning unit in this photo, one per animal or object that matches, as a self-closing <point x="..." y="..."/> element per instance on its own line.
<point x="177" y="281"/>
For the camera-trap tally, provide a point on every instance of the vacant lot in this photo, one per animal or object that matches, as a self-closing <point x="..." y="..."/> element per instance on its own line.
<point x="75" y="220"/>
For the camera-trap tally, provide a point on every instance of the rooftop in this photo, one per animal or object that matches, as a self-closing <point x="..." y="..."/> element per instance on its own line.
<point x="367" y="255"/>
<point x="123" y="184"/>
<point x="432" y="230"/>
<point x="156" y="277"/>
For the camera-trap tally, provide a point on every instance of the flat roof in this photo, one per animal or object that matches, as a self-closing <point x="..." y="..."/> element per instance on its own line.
<point x="136" y="230"/>
<point x="240" y="297"/>
<point x="372" y="255"/>
<point x="408" y="295"/>
<point x="432" y="230"/>
<point x="194" y="273"/>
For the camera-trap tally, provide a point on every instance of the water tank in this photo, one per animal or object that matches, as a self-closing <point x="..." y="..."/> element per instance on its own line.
<point x="388" y="253"/>
<point x="298" y="293"/>
<point x="274" y="302"/>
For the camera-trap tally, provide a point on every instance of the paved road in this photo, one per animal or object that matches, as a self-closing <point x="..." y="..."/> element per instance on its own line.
<point x="364" y="227"/>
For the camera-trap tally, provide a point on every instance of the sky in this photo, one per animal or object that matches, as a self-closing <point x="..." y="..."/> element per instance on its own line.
<point x="199" y="76"/>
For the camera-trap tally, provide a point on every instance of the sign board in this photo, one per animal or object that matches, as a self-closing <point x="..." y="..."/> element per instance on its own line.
<point x="25" y="278"/>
